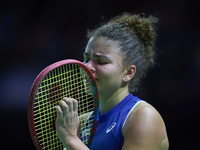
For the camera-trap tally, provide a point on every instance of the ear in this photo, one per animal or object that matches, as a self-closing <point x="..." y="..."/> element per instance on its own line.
<point x="129" y="73"/>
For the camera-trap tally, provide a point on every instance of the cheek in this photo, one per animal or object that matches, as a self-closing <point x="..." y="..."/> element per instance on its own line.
<point x="110" y="73"/>
<point x="103" y="72"/>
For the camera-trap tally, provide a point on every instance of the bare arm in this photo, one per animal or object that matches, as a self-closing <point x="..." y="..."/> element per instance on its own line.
<point x="144" y="129"/>
<point x="67" y="124"/>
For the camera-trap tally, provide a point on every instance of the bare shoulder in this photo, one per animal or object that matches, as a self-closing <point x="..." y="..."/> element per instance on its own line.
<point x="145" y="129"/>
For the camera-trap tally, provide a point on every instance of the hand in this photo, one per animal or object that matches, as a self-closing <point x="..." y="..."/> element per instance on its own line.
<point x="67" y="121"/>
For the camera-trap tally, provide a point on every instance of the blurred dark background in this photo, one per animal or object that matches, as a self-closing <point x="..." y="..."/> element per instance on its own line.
<point x="35" y="34"/>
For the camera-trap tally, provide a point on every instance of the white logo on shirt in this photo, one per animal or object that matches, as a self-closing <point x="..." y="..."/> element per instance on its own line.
<point x="111" y="127"/>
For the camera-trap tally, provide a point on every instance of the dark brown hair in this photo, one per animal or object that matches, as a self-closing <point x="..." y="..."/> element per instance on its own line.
<point x="135" y="35"/>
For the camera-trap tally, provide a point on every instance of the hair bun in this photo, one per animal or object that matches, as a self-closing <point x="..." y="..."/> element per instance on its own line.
<point x="144" y="27"/>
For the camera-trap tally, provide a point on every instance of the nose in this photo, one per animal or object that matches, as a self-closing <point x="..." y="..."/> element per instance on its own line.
<point x="90" y="65"/>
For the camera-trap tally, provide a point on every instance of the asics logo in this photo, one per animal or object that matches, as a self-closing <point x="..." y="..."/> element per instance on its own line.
<point x="111" y="127"/>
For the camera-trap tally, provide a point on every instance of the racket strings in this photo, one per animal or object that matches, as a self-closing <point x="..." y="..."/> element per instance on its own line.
<point x="64" y="81"/>
<point x="56" y="92"/>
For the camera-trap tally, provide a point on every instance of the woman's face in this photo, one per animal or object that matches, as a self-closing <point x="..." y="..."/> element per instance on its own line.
<point x="103" y="59"/>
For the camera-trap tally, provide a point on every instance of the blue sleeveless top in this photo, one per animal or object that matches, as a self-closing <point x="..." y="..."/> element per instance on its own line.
<point x="108" y="134"/>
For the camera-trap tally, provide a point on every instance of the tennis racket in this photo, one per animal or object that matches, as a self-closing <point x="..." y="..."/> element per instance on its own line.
<point x="67" y="78"/>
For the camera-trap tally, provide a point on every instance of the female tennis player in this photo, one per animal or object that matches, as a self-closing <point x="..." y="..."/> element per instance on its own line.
<point x="118" y="53"/>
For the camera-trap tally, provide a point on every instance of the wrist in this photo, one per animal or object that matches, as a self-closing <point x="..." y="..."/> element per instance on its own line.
<point x="75" y="143"/>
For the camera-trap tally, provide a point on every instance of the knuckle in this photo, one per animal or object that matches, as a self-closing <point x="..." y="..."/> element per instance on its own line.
<point x="70" y="102"/>
<point x="63" y="104"/>
<point x="74" y="100"/>
<point x="67" y="100"/>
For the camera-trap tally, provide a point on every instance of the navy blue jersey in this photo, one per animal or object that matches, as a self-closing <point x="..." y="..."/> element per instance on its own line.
<point x="109" y="130"/>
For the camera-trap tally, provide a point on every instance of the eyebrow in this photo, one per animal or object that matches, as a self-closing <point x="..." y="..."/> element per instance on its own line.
<point x="96" y="55"/>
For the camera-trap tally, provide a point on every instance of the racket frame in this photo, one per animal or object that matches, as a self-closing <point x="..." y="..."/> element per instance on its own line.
<point x="33" y="92"/>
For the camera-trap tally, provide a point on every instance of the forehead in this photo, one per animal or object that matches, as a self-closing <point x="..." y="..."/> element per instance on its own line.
<point x="103" y="46"/>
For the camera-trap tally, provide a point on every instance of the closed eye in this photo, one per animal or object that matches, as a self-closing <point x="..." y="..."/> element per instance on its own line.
<point x="102" y="63"/>
<point x="98" y="58"/>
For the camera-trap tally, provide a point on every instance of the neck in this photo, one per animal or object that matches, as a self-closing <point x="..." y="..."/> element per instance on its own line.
<point x="107" y="102"/>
